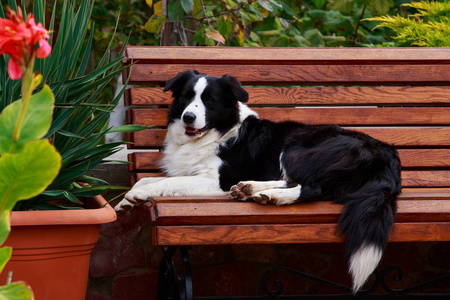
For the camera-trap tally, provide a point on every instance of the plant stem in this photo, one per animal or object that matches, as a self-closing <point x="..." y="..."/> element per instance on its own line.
<point x="27" y="90"/>
<point x="355" y="35"/>
<point x="9" y="277"/>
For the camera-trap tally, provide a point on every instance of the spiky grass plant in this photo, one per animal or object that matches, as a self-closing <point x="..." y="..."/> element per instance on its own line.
<point x="429" y="27"/>
<point x="80" y="118"/>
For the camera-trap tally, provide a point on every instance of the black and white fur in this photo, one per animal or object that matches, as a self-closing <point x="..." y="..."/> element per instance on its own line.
<point x="215" y="144"/>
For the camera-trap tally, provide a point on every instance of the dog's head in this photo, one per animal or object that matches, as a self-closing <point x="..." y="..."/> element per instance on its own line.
<point x="204" y="102"/>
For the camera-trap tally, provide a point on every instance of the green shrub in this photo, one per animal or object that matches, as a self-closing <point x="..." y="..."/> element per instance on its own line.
<point x="428" y="27"/>
<point x="268" y="23"/>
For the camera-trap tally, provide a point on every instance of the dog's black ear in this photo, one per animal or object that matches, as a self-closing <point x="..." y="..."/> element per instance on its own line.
<point x="179" y="81"/>
<point x="235" y="86"/>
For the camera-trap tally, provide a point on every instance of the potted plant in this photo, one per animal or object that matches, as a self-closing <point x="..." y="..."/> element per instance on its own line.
<point x="71" y="207"/>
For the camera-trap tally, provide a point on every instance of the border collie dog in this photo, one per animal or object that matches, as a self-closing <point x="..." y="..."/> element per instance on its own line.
<point x="215" y="144"/>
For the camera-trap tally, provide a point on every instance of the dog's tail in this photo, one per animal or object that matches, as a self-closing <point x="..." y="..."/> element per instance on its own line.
<point x="366" y="220"/>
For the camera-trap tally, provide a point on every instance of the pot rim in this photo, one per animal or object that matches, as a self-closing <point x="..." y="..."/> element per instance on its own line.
<point x="98" y="215"/>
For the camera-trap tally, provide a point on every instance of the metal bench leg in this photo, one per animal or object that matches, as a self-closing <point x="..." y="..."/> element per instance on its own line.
<point x="172" y="286"/>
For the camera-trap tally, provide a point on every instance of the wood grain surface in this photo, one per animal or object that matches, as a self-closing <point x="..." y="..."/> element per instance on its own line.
<point x="260" y="96"/>
<point x="410" y="178"/>
<point x="267" y="55"/>
<point x="353" y="116"/>
<point x="410" y="158"/>
<point x="235" y="213"/>
<point x="286" y="234"/>
<point x="398" y="136"/>
<point x="424" y="74"/>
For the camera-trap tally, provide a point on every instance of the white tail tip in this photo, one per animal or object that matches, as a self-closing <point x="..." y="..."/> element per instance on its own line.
<point x="362" y="263"/>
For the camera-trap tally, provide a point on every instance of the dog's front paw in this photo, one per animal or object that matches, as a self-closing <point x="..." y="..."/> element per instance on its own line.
<point x="132" y="199"/>
<point x="241" y="191"/>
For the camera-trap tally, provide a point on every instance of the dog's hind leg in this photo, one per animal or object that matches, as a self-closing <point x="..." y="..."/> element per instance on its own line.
<point x="245" y="189"/>
<point x="283" y="196"/>
<point x="279" y="192"/>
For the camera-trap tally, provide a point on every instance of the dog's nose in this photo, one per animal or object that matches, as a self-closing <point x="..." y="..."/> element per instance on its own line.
<point x="189" y="118"/>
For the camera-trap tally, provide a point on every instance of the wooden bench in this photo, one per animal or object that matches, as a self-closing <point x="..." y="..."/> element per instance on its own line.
<point x="398" y="95"/>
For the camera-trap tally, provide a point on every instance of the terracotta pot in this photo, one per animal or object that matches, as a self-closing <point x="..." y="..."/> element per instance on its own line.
<point x="51" y="249"/>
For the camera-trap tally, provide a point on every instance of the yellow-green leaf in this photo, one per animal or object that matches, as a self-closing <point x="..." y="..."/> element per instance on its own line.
<point x="37" y="81"/>
<point x="157" y="8"/>
<point x="16" y="291"/>
<point x="5" y="255"/>
<point x="149" y="2"/>
<point x="155" y="23"/>
<point x="5" y="227"/>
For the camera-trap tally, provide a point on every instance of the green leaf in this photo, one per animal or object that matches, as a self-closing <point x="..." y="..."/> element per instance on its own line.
<point x="70" y="134"/>
<point x="91" y="191"/>
<point x="333" y="41"/>
<point x="16" y="291"/>
<point x="172" y="11"/>
<point x="319" y="3"/>
<point x="275" y="3"/>
<point x="89" y="179"/>
<point x="155" y="23"/>
<point x="28" y="173"/>
<point x="129" y="128"/>
<point x="255" y="11"/>
<point x="5" y="227"/>
<point x="5" y="255"/>
<point x="265" y="4"/>
<point x="37" y="121"/>
<point x="187" y="5"/>
<point x="382" y="6"/>
<point x="342" y="5"/>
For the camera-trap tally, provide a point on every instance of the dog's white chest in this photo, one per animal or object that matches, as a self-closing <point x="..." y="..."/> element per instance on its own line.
<point x="187" y="156"/>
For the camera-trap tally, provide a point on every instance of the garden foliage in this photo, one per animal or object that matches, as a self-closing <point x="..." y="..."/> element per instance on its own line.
<point x="428" y="27"/>
<point x="268" y="23"/>
<point x="81" y="114"/>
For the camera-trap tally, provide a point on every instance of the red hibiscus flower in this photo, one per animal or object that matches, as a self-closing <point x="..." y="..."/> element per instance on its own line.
<point x="19" y="38"/>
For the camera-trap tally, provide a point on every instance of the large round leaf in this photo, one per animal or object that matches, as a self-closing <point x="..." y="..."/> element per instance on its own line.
<point x="37" y="121"/>
<point x="28" y="173"/>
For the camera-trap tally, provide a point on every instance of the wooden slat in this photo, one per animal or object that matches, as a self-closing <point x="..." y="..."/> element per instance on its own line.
<point x="384" y="95"/>
<point x="285" y="55"/>
<point x="410" y="158"/>
<point x="144" y="161"/>
<point x="425" y="194"/>
<point x="302" y="74"/>
<point x="357" y="116"/>
<point x="426" y="178"/>
<point x="235" y="213"/>
<point x="286" y="234"/>
<point x="433" y="178"/>
<point x="361" y="115"/>
<point x="400" y="136"/>
<point x="410" y="137"/>
<point x="406" y="194"/>
<point x="425" y="158"/>
<point x="151" y="138"/>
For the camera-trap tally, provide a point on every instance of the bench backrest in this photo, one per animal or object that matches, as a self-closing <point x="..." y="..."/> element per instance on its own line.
<point x="398" y="95"/>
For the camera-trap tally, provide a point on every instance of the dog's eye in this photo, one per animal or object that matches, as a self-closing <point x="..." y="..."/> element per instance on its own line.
<point x="208" y="99"/>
